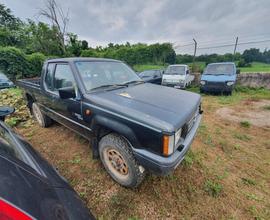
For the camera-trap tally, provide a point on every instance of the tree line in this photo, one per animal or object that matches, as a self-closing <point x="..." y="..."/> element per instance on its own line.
<point x="24" y="45"/>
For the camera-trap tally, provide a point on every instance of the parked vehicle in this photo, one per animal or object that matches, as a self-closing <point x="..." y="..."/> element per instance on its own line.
<point x="152" y="76"/>
<point x="30" y="187"/>
<point x="133" y="126"/>
<point x="177" y="76"/>
<point x="219" y="77"/>
<point x="5" y="82"/>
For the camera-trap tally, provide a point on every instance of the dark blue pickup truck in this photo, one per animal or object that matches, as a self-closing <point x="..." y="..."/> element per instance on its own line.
<point x="132" y="126"/>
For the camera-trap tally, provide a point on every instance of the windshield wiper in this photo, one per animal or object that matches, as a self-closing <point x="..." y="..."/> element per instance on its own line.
<point x="132" y="82"/>
<point x="113" y="86"/>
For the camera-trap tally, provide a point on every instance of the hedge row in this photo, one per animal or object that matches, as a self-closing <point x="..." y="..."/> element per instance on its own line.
<point x="16" y="64"/>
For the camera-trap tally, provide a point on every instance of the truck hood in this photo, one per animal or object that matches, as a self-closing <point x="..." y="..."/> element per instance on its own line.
<point x="218" y="78"/>
<point x="174" y="78"/>
<point x="161" y="108"/>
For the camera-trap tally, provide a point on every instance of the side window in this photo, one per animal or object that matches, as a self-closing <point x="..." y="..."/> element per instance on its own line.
<point x="63" y="77"/>
<point x="49" y="76"/>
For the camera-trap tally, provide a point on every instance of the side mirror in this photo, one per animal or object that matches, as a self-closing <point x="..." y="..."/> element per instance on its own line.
<point x="4" y="111"/>
<point x="237" y="71"/>
<point x="67" y="92"/>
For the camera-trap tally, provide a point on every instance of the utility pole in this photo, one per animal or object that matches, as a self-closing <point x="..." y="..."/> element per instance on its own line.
<point x="195" y="50"/>
<point x="235" y="46"/>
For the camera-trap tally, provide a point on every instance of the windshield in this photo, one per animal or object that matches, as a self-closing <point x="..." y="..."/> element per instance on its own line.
<point x="3" y="77"/>
<point x="99" y="74"/>
<point x="148" y="73"/>
<point x="219" y="69"/>
<point x="175" y="70"/>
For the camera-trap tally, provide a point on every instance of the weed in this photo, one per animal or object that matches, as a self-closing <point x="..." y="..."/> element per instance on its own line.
<point x="253" y="210"/>
<point x="245" y="124"/>
<point x="12" y="121"/>
<point x="224" y="175"/>
<point x="248" y="181"/>
<point x="75" y="160"/>
<point x="194" y="157"/>
<point x="267" y="107"/>
<point x="242" y="137"/>
<point x="208" y="141"/>
<point x="213" y="188"/>
<point x="225" y="146"/>
<point x="237" y="146"/>
<point x="251" y="196"/>
<point x="189" y="159"/>
<point x="202" y="129"/>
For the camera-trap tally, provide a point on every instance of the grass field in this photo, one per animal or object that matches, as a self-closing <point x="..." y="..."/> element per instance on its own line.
<point x="255" y="67"/>
<point x="140" y="68"/>
<point x="225" y="175"/>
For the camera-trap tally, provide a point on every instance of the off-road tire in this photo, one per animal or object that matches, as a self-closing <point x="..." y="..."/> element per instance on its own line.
<point x="115" y="143"/>
<point x="42" y="119"/>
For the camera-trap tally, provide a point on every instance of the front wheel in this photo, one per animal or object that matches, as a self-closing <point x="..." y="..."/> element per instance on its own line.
<point x="42" y="119"/>
<point x="117" y="158"/>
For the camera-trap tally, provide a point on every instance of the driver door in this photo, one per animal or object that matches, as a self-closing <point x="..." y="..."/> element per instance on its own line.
<point x="68" y="110"/>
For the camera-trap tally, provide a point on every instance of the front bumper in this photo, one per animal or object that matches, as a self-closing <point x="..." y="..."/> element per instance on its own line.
<point x="175" y="85"/>
<point x="163" y="165"/>
<point x="216" y="87"/>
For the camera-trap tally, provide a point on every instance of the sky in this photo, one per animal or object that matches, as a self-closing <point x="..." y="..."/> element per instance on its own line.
<point x="210" y="22"/>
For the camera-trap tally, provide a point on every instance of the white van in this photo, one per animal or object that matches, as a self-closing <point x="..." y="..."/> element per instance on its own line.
<point x="177" y="76"/>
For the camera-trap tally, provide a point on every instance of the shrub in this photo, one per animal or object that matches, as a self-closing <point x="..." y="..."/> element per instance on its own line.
<point x="245" y="124"/>
<point x="35" y="61"/>
<point x="13" y="62"/>
<point x="213" y="188"/>
<point x="243" y="63"/>
<point x="16" y="64"/>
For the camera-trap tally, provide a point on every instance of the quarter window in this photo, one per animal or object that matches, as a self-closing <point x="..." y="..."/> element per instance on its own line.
<point x="63" y="77"/>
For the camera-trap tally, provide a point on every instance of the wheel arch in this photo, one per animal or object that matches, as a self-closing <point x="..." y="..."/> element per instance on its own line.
<point x="104" y="126"/>
<point x="30" y="100"/>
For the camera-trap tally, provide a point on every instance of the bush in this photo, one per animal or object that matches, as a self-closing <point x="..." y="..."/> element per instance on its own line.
<point x="35" y="61"/>
<point x="243" y="63"/>
<point x="13" y="62"/>
<point x="89" y="53"/>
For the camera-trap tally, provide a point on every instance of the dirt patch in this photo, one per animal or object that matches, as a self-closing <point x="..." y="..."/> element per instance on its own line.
<point x="254" y="112"/>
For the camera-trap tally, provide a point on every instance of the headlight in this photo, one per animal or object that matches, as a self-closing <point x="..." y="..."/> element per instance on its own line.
<point x="230" y="83"/>
<point x="168" y="145"/>
<point x="203" y="82"/>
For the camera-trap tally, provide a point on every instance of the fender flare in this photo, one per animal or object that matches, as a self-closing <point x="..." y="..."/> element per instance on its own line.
<point x="111" y="125"/>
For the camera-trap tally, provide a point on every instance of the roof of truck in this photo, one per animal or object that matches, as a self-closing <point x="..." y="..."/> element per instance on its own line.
<point x="222" y="63"/>
<point x="74" y="59"/>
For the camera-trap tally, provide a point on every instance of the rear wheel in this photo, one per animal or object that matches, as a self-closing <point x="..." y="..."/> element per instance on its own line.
<point x="42" y="119"/>
<point x="118" y="160"/>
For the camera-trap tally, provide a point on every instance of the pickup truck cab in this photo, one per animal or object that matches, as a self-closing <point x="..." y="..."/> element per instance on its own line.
<point x="219" y="77"/>
<point x="132" y="126"/>
<point x="177" y="76"/>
